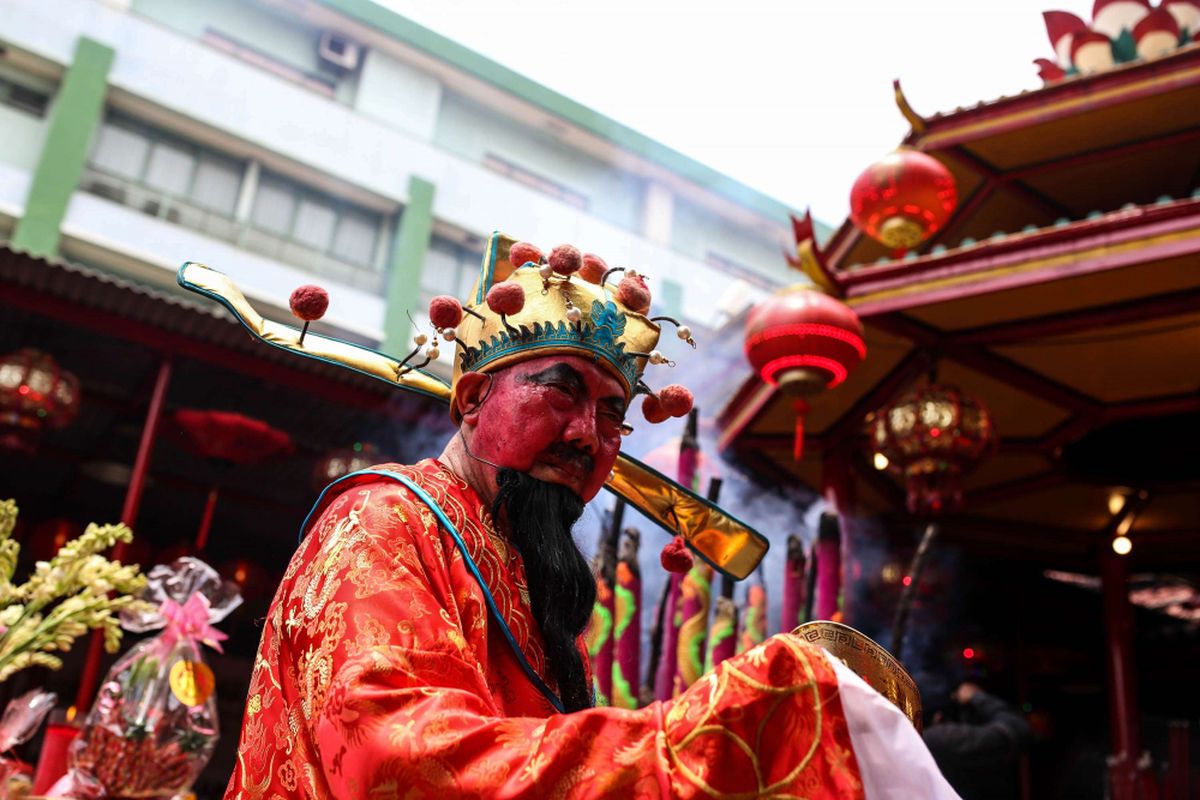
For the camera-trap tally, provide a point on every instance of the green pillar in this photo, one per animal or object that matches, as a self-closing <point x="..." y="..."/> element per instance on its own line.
<point x="405" y="264"/>
<point x="77" y="110"/>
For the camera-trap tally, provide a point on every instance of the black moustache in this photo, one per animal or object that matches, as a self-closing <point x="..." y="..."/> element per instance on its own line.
<point x="573" y="456"/>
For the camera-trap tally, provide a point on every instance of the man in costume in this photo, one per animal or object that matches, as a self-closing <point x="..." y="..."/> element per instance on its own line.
<point x="426" y="638"/>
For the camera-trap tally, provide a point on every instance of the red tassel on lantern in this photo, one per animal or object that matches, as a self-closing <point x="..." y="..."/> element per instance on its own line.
<point x="801" y="407"/>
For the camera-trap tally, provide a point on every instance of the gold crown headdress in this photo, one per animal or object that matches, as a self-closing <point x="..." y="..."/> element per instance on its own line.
<point x="526" y="306"/>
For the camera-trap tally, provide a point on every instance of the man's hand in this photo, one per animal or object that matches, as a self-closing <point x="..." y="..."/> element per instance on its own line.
<point x="965" y="692"/>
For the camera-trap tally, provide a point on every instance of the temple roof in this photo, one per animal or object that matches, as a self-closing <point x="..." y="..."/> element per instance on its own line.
<point x="1084" y="146"/>
<point x="1063" y="292"/>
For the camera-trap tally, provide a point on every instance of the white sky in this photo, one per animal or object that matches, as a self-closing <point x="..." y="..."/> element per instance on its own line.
<point x="791" y="97"/>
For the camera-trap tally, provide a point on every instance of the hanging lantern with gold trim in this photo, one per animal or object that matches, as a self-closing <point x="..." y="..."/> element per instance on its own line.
<point x="932" y="436"/>
<point x="343" y="461"/>
<point x="35" y="394"/>
<point x="903" y="198"/>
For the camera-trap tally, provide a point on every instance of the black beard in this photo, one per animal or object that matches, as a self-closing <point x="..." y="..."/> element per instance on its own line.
<point x="562" y="591"/>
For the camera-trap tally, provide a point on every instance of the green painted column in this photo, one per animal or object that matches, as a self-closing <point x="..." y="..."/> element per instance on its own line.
<point x="405" y="264"/>
<point x="78" y="108"/>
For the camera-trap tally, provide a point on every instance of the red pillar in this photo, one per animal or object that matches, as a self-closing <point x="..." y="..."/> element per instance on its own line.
<point x="133" y="502"/>
<point x="1124" y="720"/>
<point x="837" y="482"/>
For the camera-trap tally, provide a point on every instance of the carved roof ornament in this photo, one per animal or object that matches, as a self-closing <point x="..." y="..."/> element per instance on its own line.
<point x="1121" y="31"/>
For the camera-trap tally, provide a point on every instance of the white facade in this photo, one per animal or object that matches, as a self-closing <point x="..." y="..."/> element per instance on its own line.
<point x="227" y="139"/>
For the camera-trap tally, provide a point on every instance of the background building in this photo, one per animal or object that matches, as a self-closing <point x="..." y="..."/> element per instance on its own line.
<point x="334" y="141"/>
<point x="285" y="143"/>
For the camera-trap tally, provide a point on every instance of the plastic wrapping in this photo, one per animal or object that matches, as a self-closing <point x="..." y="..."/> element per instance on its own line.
<point x="22" y="718"/>
<point x="153" y="725"/>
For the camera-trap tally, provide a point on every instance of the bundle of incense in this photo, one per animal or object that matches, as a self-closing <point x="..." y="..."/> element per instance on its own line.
<point x="599" y="642"/>
<point x="754" y="621"/>
<point x="627" y="630"/>
<point x="695" y="591"/>
<point x="794" y="582"/>
<point x="722" y="636"/>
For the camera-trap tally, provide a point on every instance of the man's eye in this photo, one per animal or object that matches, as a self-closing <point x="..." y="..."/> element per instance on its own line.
<point x="612" y="417"/>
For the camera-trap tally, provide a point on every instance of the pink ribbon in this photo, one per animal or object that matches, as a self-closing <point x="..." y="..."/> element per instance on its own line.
<point x="189" y="621"/>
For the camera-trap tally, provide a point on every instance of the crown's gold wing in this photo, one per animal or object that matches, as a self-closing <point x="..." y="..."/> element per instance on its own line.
<point x="726" y="542"/>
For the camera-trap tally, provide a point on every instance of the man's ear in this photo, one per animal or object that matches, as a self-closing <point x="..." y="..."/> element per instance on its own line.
<point x="472" y="389"/>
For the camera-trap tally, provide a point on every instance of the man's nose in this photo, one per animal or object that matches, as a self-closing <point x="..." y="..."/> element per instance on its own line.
<point x="581" y="432"/>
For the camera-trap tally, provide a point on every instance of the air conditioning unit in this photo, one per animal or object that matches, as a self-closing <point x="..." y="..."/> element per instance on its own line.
<point x="338" y="51"/>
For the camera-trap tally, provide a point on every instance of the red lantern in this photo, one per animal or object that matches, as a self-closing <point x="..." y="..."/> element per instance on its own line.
<point x="932" y="436"/>
<point x="903" y="199"/>
<point x="343" y="461"/>
<point x="34" y="394"/>
<point x="230" y="437"/>
<point x="226" y="438"/>
<point x="803" y="341"/>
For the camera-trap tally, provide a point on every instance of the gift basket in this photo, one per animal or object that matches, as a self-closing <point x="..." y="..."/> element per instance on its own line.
<point x="153" y="725"/>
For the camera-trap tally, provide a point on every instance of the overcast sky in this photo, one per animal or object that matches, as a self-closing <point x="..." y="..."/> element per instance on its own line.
<point x="792" y="97"/>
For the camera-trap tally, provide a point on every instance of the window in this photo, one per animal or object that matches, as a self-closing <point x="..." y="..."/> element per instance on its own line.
<point x="671" y="297"/>
<point x="316" y="220"/>
<point x="23" y="98"/>
<point x="252" y="55"/>
<point x="450" y="269"/>
<point x="535" y="181"/>
<point x="121" y="151"/>
<point x="215" y="185"/>
<point x="166" y="176"/>
<point x="173" y="169"/>
<point x="738" y="270"/>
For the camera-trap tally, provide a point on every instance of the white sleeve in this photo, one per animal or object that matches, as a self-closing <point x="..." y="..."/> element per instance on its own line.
<point x="892" y="758"/>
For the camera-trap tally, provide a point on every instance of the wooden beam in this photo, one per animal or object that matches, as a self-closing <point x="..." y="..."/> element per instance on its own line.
<point x="1006" y="491"/>
<point x="779" y="441"/>
<point x="1035" y="198"/>
<point x="905" y="371"/>
<point x="1173" y="139"/>
<point x="1113" y="241"/>
<point x="1013" y="445"/>
<point x="1187" y="403"/>
<point x="986" y="362"/>
<point x="1167" y="304"/>
<point x="1037" y="537"/>
<point x="1023" y="446"/>
<point x="962" y="214"/>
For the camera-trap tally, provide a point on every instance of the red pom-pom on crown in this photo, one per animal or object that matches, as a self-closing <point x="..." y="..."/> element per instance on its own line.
<point x="309" y="302"/>
<point x="676" y="557"/>
<point x="565" y="259"/>
<point x="523" y="253"/>
<point x="653" y="411"/>
<point x="506" y="298"/>
<point x="676" y="400"/>
<point x="445" y="312"/>
<point x="634" y="294"/>
<point x="592" y="268"/>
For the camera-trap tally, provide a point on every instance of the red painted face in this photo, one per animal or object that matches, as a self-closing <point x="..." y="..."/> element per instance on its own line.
<point x="557" y="418"/>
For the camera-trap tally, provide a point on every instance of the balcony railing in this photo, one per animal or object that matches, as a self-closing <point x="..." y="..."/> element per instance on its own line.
<point x="221" y="225"/>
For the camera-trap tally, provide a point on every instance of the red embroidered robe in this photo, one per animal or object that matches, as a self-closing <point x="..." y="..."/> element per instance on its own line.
<point x="381" y="675"/>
